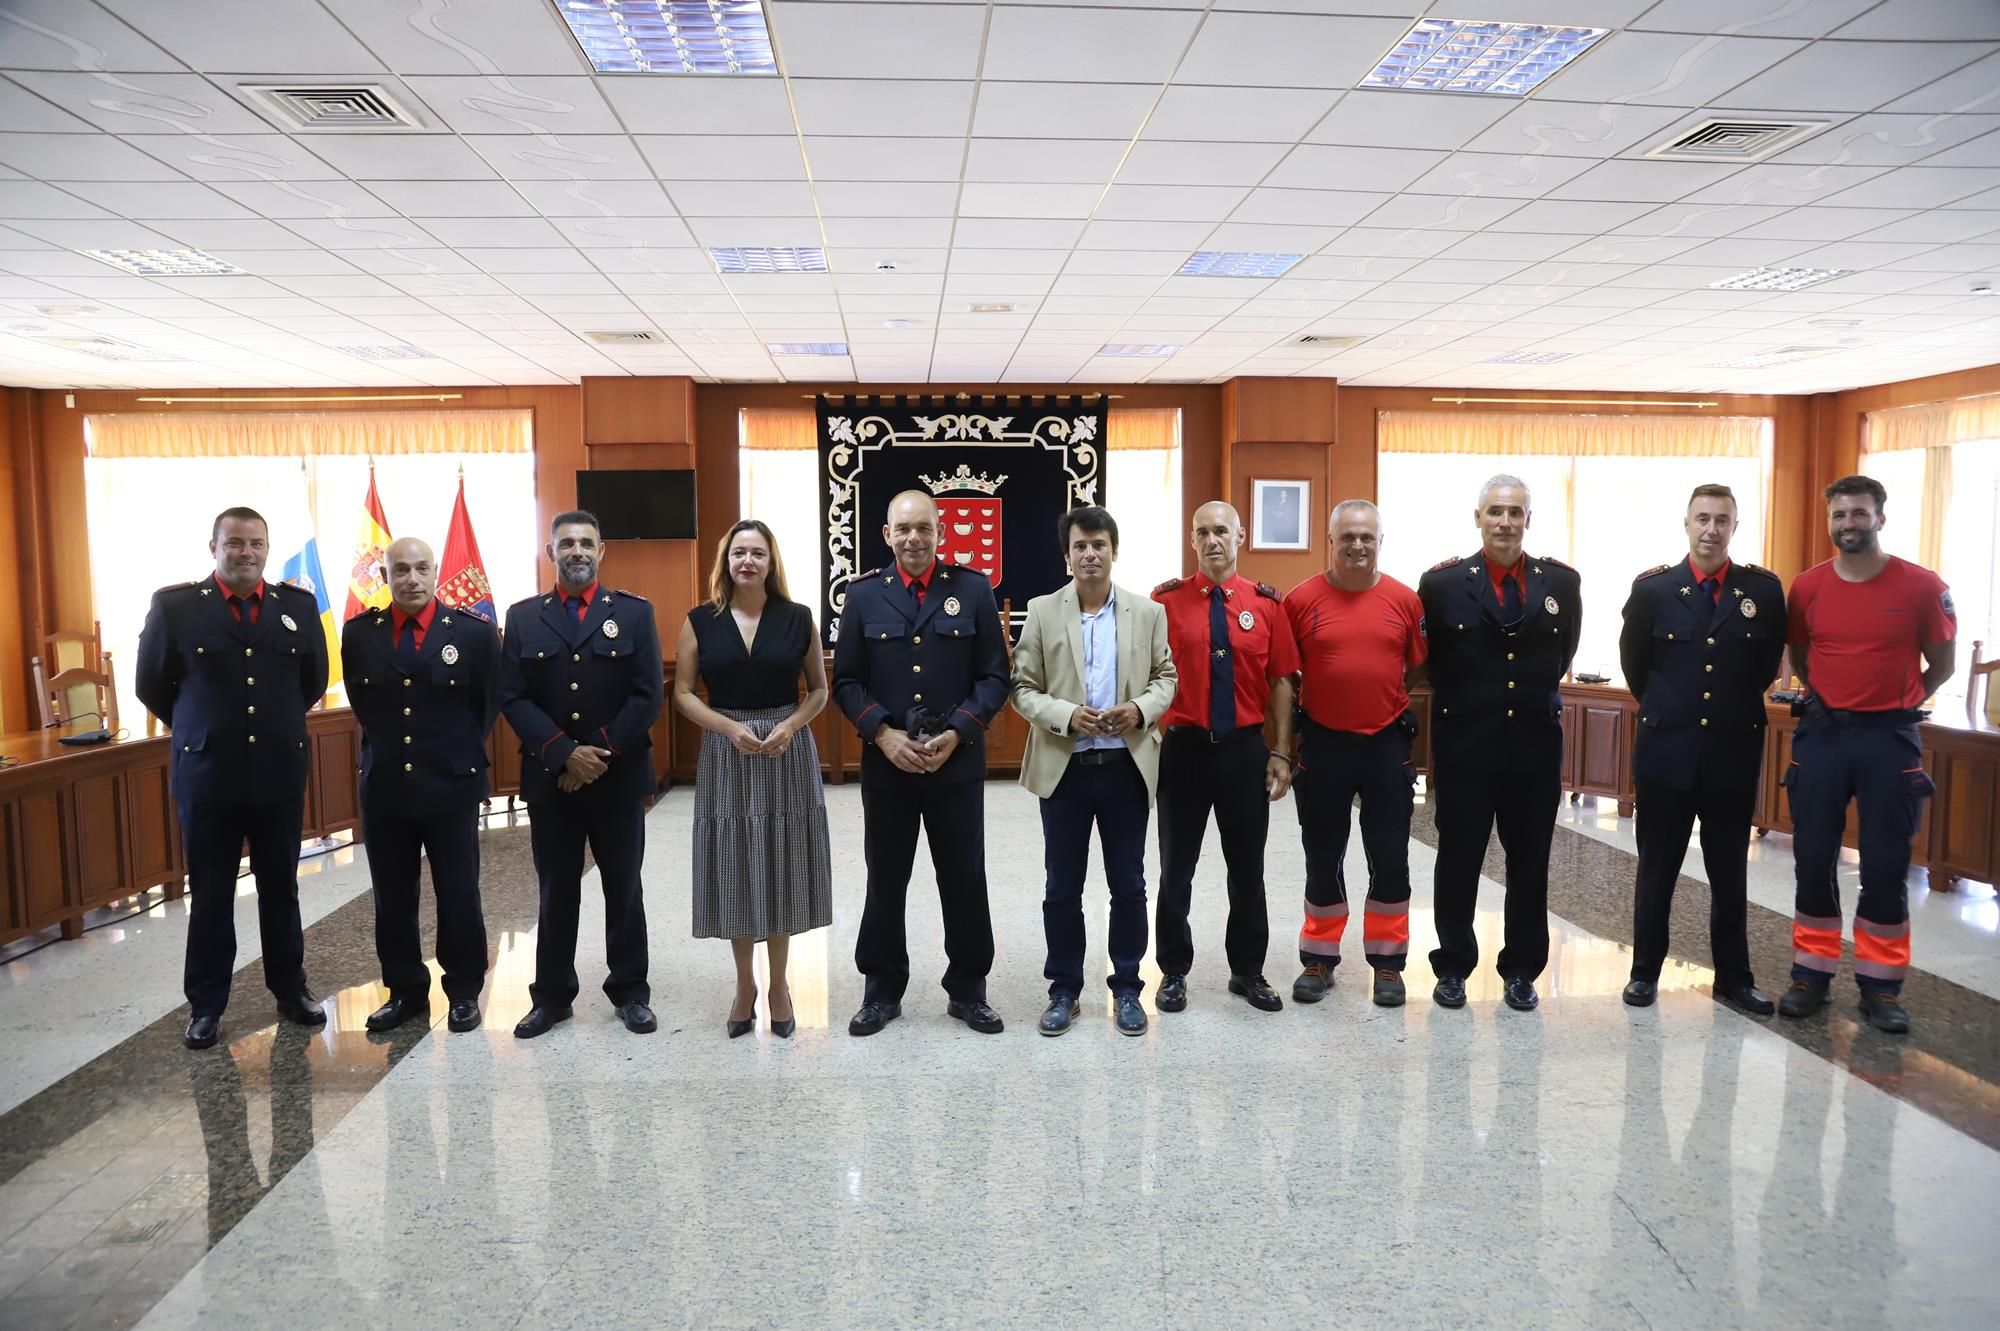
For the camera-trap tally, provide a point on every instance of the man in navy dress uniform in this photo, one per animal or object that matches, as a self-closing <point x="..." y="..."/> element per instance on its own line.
<point x="920" y="668"/>
<point x="423" y="679"/>
<point x="232" y="664"/>
<point x="1701" y="643"/>
<point x="581" y="684"/>
<point x="1503" y="627"/>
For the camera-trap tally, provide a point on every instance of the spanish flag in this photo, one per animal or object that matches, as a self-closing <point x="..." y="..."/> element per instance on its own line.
<point x="302" y="570"/>
<point x="368" y="584"/>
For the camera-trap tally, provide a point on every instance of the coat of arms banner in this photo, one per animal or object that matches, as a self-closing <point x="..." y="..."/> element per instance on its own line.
<point x="1002" y="470"/>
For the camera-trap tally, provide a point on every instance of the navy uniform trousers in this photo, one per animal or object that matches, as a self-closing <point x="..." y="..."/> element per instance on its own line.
<point x="396" y="845"/>
<point x="613" y="824"/>
<point x="212" y="838"/>
<point x="1724" y="799"/>
<point x="952" y="814"/>
<point x="1202" y="770"/>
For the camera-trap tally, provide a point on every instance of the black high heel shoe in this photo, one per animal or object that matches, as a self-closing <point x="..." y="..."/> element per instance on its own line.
<point x="745" y="1026"/>
<point x="783" y="1029"/>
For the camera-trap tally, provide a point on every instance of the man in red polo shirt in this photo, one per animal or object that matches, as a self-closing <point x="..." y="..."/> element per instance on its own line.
<point x="1361" y="645"/>
<point x="1871" y="636"/>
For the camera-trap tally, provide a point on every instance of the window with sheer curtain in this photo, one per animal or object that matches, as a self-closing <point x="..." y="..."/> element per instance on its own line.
<point x="1607" y="498"/>
<point x="150" y="516"/>
<point x="778" y="469"/>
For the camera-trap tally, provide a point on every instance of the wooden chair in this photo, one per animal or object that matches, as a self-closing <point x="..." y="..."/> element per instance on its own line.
<point x="1978" y="681"/>
<point x="82" y="684"/>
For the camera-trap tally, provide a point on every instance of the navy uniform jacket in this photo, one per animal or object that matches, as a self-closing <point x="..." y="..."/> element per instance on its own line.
<point x="235" y="695"/>
<point x="599" y="682"/>
<point x="423" y="731"/>
<point x="1700" y="669"/>
<point x="1495" y="692"/>
<point x="949" y="658"/>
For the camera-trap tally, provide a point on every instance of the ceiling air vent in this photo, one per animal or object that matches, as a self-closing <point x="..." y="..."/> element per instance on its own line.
<point x="1735" y="139"/>
<point x="345" y="107"/>
<point x="616" y="339"/>
<point x="1323" y="340"/>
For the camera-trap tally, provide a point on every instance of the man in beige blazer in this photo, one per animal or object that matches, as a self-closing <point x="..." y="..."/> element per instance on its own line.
<point x="1092" y="676"/>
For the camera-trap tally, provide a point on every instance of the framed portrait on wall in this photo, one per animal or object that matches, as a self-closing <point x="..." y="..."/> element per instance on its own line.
<point x="1280" y="512"/>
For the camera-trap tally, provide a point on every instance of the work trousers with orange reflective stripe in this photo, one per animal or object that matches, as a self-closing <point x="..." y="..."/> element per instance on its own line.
<point x="1876" y="760"/>
<point x="1334" y="767"/>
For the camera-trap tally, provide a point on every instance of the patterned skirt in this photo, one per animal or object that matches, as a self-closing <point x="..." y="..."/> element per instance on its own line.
<point x="761" y="861"/>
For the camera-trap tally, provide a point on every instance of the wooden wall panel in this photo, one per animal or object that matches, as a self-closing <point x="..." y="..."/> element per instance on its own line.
<point x="16" y="512"/>
<point x="654" y="409"/>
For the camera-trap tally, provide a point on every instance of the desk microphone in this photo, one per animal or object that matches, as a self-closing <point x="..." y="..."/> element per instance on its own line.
<point x="97" y="736"/>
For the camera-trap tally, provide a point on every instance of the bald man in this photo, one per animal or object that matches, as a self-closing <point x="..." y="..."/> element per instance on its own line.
<point x="422" y="676"/>
<point x="920" y="668"/>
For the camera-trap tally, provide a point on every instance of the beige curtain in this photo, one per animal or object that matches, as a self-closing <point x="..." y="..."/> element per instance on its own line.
<point x="1569" y="435"/>
<point x="1142" y="427"/>
<point x="1937" y="502"/>
<point x="1932" y="424"/>
<point x="786" y="429"/>
<point x="214" y="434"/>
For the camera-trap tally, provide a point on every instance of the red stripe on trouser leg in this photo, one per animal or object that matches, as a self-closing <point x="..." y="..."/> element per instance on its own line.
<point x="1386" y="932"/>
<point x="1816" y="943"/>
<point x="1323" y="928"/>
<point x="1881" y="951"/>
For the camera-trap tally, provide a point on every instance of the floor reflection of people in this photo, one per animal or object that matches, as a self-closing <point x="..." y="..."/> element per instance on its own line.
<point x="1820" y="1265"/>
<point x="222" y="1107"/>
<point x="1450" y="1180"/>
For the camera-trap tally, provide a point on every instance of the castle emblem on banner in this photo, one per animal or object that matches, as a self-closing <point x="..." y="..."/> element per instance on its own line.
<point x="968" y="529"/>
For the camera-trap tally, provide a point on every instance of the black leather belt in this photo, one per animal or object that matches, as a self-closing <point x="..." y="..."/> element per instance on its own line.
<point x="1898" y="717"/>
<point x="1214" y="736"/>
<point x="1099" y="757"/>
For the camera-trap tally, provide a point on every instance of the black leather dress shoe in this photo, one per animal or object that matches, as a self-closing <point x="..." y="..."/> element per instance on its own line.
<point x="873" y="1017"/>
<point x="202" y="1032"/>
<point x="1172" y="996"/>
<point x="1520" y="994"/>
<point x="638" y="1018"/>
<point x="302" y="1008"/>
<point x="1312" y="984"/>
<point x="1061" y="1012"/>
<point x="1261" y="995"/>
<point x="1641" y="993"/>
<point x="464" y="1016"/>
<point x="1130" y="1018"/>
<point x="1450" y="992"/>
<point x="1388" y="988"/>
<point x="1804" y="998"/>
<point x="540" y="1021"/>
<point x="1884" y="1013"/>
<point x="1746" y="996"/>
<point x="396" y="1011"/>
<point x="976" y="1014"/>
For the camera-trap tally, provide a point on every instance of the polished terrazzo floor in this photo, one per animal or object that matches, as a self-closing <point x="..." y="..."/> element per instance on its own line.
<point x="1588" y="1165"/>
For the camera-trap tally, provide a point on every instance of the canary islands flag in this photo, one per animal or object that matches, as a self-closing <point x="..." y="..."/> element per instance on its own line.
<point x="302" y="570"/>
<point x="368" y="583"/>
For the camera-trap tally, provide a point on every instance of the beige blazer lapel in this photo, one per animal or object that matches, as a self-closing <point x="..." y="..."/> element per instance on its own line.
<point x="1072" y="624"/>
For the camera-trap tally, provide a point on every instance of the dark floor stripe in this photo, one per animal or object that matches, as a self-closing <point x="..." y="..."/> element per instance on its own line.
<point x="1949" y="1063"/>
<point x="119" y="1177"/>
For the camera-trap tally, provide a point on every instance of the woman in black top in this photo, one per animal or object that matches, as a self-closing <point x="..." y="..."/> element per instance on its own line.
<point x="762" y="868"/>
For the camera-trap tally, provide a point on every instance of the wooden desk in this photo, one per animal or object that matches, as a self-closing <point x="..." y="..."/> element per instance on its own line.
<point x="82" y="827"/>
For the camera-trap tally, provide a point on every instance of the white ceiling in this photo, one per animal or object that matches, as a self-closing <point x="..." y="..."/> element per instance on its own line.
<point x="1064" y="159"/>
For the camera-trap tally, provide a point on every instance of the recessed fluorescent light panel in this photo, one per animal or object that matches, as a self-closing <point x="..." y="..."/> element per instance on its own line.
<point x="1139" y="349"/>
<point x="164" y="263"/>
<point x="1237" y="263"/>
<point x="768" y="258"/>
<point x="1782" y="356"/>
<point x="989" y="308"/>
<point x="807" y="348"/>
<point x="1780" y="279"/>
<point x="1530" y="358"/>
<point x="105" y="348"/>
<point x="401" y="351"/>
<point x="671" y="36"/>
<point x="1459" y="55"/>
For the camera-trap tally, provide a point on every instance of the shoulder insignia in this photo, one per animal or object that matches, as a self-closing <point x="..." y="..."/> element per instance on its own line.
<point x="620" y="591"/>
<point x="1267" y="590"/>
<point x="1452" y="562"/>
<point x="1169" y="585"/>
<point x="175" y="587"/>
<point x="1544" y="559"/>
<point x="470" y="613"/>
<point x="869" y="574"/>
<point x="1652" y="572"/>
<point x="1759" y="568"/>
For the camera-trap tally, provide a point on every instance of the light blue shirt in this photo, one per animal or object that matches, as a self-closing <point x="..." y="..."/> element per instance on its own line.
<point x="1100" y="667"/>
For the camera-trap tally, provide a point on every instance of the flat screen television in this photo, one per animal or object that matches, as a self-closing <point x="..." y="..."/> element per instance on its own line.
<point x="639" y="505"/>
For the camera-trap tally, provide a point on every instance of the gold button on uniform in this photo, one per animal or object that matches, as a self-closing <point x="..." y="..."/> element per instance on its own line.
<point x="249" y="679"/>
<point x="576" y="656"/>
<point x="919" y="638"/>
<point x="250" y="711"/>
<point x="246" y="651"/>
<point x="1704" y="720"/>
<point x="253" y="739"/>
<point x="200" y="651"/>
<point x="1710" y="668"/>
<point x="407" y="682"/>
<point x="406" y="739"/>
<point x="1705" y="697"/>
<point x="1510" y="683"/>
<point x="916" y="670"/>
<point x="576" y="716"/>
<point x="409" y="767"/>
<point x="1711" y="642"/>
<point x="1510" y="711"/>
<point x="574" y="686"/>
<point x="406" y="711"/>
<point x="1510" y="656"/>
<point x="916" y="697"/>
